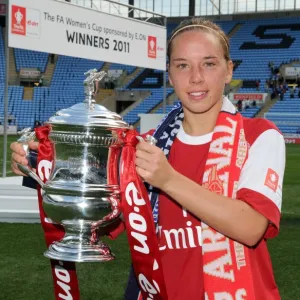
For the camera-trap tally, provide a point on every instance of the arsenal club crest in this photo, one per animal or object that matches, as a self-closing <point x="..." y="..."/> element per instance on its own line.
<point x="214" y="183"/>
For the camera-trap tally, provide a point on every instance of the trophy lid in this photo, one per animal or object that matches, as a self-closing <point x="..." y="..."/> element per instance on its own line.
<point x="89" y="114"/>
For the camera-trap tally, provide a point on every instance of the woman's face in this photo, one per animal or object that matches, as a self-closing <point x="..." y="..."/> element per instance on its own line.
<point x="198" y="70"/>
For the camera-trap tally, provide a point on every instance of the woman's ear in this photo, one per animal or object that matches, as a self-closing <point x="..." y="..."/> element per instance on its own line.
<point x="170" y="77"/>
<point x="229" y="72"/>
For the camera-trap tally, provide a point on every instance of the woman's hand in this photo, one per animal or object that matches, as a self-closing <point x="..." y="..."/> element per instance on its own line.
<point x="152" y="165"/>
<point x="19" y="155"/>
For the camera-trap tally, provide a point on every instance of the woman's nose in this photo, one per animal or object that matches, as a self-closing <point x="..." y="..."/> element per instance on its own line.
<point x="196" y="76"/>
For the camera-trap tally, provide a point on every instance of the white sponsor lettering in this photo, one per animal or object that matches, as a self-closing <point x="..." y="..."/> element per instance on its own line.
<point x="217" y="146"/>
<point x="239" y="295"/>
<point x="181" y="238"/>
<point x="239" y="255"/>
<point x="217" y="267"/>
<point x="213" y="241"/>
<point x="18" y="27"/>
<point x="44" y="167"/>
<point x="132" y="189"/>
<point x="136" y="201"/>
<point x="242" y="149"/>
<point x="225" y="178"/>
<point x="64" y="278"/>
<point x="137" y="222"/>
<point x="143" y="240"/>
<point x="175" y="233"/>
<point x="146" y="285"/>
<point x="66" y="288"/>
<point x="138" y="226"/>
<point x="221" y="161"/>
<point x="223" y="296"/>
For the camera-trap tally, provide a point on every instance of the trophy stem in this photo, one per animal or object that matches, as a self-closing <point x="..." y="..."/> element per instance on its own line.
<point x="78" y="245"/>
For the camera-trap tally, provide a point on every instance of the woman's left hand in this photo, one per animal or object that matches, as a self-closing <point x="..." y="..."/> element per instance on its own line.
<point x="152" y="165"/>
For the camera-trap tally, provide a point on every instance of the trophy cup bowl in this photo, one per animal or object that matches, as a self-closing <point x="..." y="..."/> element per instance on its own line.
<point x="80" y="193"/>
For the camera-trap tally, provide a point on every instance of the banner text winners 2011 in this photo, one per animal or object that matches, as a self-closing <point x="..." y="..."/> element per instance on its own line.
<point x="98" y="41"/>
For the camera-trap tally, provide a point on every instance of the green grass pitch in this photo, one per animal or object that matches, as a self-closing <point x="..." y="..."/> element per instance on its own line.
<point x="25" y="273"/>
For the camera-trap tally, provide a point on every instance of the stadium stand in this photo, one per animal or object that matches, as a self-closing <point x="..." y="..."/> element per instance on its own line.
<point x="147" y="105"/>
<point x="255" y="42"/>
<point x="30" y="59"/>
<point x="286" y="114"/>
<point x="128" y="69"/>
<point x="252" y="49"/>
<point x="255" y="45"/>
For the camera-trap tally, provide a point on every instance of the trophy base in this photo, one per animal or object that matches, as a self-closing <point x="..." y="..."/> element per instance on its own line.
<point x="76" y="252"/>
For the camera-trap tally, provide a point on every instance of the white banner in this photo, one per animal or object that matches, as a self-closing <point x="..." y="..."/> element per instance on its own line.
<point x="10" y="129"/>
<point x="149" y="121"/>
<point x="292" y="71"/>
<point x="30" y="73"/>
<point x="66" y="29"/>
<point x="259" y="97"/>
<point x="114" y="73"/>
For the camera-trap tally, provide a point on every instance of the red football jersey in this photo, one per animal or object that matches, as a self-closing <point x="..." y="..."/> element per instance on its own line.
<point x="260" y="186"/>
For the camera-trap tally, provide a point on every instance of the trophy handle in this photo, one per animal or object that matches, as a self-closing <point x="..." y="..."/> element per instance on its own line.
<point x="149" y="139"/>
<point x="27" y="135"/>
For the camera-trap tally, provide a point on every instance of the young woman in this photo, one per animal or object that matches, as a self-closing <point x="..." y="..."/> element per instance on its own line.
<point x="215" y="179"/>
<point x="219" y="177"/>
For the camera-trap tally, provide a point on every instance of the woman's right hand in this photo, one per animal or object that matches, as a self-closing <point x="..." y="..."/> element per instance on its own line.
<point x="19" y="155"/>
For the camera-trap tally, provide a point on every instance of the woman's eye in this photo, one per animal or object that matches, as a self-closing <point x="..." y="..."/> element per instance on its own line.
<point x="209" y="64"/>
<point x="182" y="66"/>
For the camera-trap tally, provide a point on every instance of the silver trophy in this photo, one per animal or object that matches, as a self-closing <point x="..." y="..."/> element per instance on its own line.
<point x="79" y="193"/>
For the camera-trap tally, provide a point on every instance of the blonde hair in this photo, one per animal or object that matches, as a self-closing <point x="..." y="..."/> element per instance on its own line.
<point x="204" y="25"/>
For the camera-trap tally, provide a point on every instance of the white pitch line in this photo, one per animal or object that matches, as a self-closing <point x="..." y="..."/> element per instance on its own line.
<point x="19" y="211"/>
<point x="20" y="197"/>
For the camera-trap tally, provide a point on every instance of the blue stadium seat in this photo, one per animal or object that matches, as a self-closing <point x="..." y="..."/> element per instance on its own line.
<point x="66" y="87"/>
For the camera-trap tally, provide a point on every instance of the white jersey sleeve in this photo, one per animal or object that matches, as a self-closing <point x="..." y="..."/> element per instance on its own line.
<point x="264" y="170"/>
